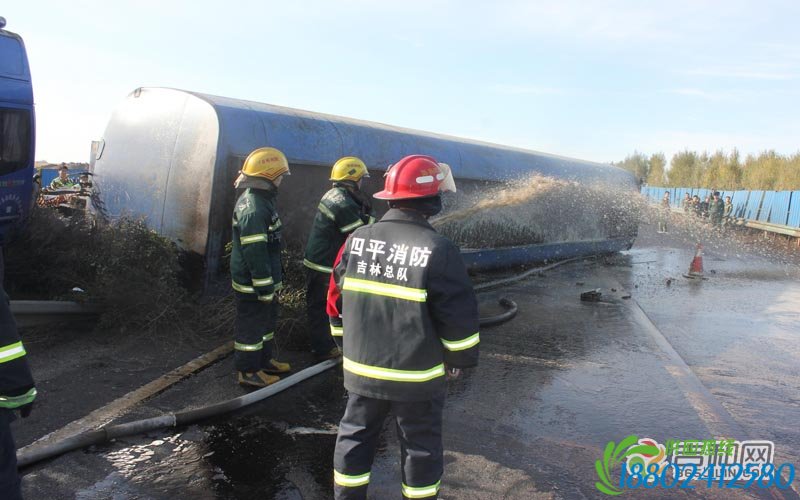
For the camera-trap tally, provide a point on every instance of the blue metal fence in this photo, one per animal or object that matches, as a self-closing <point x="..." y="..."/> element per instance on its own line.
<point x="794" y="210"/>
<point x="779" y="213"/>
<point x="753" y="204"/>
<point x="774" y="207"/>
<point x="766" y="206"/>
<point x="739" y="201"/>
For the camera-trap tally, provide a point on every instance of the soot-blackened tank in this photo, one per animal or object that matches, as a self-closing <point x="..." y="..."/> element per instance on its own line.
<point x="171" y="156"/>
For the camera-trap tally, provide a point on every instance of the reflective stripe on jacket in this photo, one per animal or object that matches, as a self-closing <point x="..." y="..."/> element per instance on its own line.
<point x="339" y="213"/>
<point x="256" y="254"/>
<point x="407" y="309"/>
<point x="16" y="382"/>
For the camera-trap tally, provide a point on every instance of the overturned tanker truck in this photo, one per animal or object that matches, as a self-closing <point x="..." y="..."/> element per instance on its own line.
<point x="171" y="156"/>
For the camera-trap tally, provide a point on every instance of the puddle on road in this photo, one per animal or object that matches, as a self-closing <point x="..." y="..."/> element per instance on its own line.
<point x="244" y="458"/>
<point x="258" y="459"/>
<point x="158" y="465"/>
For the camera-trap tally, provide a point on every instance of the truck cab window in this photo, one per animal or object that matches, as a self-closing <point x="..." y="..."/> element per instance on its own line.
<point x="15" y="139"/>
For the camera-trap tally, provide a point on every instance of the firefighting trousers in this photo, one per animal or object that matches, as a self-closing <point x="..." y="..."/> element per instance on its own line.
<point x="9" y="479"/>
<point x="319" y="331"/>
<point x="255" y="330"/>
<point x="419" y="430"/>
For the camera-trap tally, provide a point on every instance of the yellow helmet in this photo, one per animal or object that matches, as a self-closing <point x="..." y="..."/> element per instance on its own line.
<point x="268" y="163"/>
<point x="349" y="168"/>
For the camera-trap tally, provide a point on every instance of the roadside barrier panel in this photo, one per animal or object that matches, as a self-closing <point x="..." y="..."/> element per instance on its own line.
<point x="753" y="205"/>
<point x="779" y="213"/>
<point x="766" y="206"/>
<point x="794" y="210"/>
<point x="739" y="201"/>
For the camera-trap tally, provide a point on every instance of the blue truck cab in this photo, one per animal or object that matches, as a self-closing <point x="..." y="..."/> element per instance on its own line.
<point x="17" y="137"/>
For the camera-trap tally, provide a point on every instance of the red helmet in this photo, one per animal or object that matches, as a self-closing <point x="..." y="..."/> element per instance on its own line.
<point x="415" y="176"/>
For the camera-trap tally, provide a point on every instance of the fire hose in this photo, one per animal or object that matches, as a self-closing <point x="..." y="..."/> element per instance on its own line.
<point x="33" y="454"/>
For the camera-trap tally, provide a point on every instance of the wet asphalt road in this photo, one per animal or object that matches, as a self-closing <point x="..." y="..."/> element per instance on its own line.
<point x="690" y="360"/>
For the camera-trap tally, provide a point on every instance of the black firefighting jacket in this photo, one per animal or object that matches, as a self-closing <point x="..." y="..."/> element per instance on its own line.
<point x="408" y="308"/>
<point x="339" y="214"/>
<point x="256" y="254"/>
<point x="16" y="382"/>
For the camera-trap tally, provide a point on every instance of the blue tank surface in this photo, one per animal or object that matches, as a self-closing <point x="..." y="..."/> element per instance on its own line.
<point x="505" y="257"/>
<point x="171" y="156"/>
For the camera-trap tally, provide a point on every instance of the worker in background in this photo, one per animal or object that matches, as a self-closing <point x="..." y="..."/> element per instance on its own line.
<point x="17" y="392"/>
<point x="62" y="181"/>
<point x="663" y="213"/>
<point x="410" y="320"/>
<point x="727" y="212"/>
<point x="704" y="206"/>
<point x="716" y="209"/>
<point x="256" y="266"/>
<point x="687" y="203"/>
<point x="341" y="210"/>
<point x="696" y="206"/>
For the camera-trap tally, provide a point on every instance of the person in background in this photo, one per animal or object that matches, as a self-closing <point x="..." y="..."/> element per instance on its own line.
<point x="716" y="209"/>
<point x="342" y="210"/>
<point x="62" y="181"/>
<point x="696" y="206"/>
<point x="704" y="207"/>
<point x="410" y="320"/>
<point x="256" y="270"/>
<point x="727" y="212"/>
<point x="663" y="214"/>
<point x="687" y="203"/>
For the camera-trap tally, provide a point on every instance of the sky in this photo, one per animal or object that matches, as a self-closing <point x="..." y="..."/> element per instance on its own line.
<point x="594" y="80"/>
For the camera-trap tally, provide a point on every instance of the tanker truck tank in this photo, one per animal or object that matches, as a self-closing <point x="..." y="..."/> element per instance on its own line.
<point x="170" y="156"/>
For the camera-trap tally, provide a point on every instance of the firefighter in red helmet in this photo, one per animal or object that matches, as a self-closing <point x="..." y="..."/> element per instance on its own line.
<point x="409" y="319"/>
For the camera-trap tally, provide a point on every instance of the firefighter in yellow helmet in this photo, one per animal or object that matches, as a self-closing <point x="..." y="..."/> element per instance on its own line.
<point x="341" y="210"/>
<point x="256" y="266"/>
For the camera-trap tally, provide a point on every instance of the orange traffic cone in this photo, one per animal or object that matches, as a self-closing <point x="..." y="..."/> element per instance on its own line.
<point x="696" y="267"/>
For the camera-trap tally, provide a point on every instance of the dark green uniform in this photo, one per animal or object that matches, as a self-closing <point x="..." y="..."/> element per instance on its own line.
<point x="340" y="212"/>
<point x="256" y="275"/>
<point x="727" y="213"/>
<point x="715" y="210"/>
<point x="663" y="215"/>
<point x="17" y="392"/>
